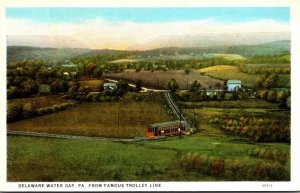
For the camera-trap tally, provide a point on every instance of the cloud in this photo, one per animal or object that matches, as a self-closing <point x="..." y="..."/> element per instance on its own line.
<point x="99" y="33"/>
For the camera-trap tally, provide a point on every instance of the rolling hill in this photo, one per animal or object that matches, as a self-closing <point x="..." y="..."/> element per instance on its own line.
<point x="17" y="53"/>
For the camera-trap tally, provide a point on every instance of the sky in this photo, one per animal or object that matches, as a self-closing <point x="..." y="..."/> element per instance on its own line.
<point x="125" y="28"/>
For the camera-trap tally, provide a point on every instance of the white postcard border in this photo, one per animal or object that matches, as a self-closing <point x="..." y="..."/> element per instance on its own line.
<point x="293" y="185"/>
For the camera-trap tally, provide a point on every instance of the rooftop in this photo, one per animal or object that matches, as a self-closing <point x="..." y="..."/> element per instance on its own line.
<point x="109" y="84"/>
<point x="234" y="82"/>
<point x="166" y="123"/>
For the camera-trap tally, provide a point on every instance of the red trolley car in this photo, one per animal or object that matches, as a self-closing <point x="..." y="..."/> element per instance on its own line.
<point x="166" y="129"/>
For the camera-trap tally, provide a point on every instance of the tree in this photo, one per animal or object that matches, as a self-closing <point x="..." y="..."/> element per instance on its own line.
<point x="173" y="85"/>
<point x="55" y="86"/>
<point x="271" y="96"/>
<point x="14" y="112"/>
<point x="89" y="69"/>
<point x="218" y="85"/>
<point x="64" y="86"/>
<point x="195" y="86"/>
<point x="98" y="72"/>
<point x="122" y="88"/>
<point x="13" y="92"/>
<point x="30" y="87"/>
<point x="271" y="81"/>
<point x="138" y="85"/>
<point x="187" y="71"/>
<point x="288" y="102"/>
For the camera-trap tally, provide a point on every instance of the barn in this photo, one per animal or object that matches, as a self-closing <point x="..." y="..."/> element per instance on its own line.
<point x="232" y="85"/>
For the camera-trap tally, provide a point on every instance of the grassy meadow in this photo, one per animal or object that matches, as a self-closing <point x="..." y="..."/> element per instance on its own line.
<point x="41" y="159"/>
<point x="231" y="57"/>
<point x="127" y="118"/>
<point x="209" y="155"/>
<point x="228" y="72"/>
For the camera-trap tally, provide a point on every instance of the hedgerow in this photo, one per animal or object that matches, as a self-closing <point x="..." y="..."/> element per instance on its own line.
<point x="18" y="112"/>
<point x="232" y="169"/>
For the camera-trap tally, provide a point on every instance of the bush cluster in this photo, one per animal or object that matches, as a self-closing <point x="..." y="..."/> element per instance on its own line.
<point x="271" y="154"/>
<point x="95" y="97"/>
<point x="18" y="112"/>
<point x="53" y="109"/>
<point x="274" y="96"/>
<point x="259" y="129"/>
<point x="263" y="69"/>
<point x="199" y="96"/>
<point x="233" y="169"/>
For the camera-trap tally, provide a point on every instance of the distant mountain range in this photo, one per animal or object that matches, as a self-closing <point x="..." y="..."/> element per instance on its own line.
<point x="17" y="53"/>
<point x="43" y="41"/>
<point x="212" y="40"/>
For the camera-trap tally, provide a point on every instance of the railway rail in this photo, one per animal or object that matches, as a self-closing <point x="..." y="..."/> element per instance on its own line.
<point x="175" y="109"/>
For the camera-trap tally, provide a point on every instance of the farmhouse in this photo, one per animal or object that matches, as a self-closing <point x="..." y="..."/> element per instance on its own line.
<point x="109" y="86"/>
<point x="232" y="85"/>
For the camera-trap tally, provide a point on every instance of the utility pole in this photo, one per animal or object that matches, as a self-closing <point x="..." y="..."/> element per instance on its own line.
<point x="180" y="115"/>
<point x="195" y="122"/>
<point x="118" y="119"/>
<point x="187" y="83"/>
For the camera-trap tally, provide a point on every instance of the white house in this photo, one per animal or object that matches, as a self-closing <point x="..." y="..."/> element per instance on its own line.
<point x="232" y="85"/>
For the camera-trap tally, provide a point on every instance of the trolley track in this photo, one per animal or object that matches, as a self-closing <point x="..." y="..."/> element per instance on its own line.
<point x="175" y="109"/>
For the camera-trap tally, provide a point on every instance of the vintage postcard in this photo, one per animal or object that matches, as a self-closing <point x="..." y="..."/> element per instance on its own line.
<point x="130" y="96"/>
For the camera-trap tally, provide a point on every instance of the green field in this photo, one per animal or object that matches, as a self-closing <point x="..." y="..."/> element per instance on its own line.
<point x="127" y="118"/>
<point x="249" y="103"/>
<point x="226" y="72"/>
<point x="284" y="80"/>
<point x="230" y="56"/>
<point x="208" y="155"/>
<point x="40" y="159"/>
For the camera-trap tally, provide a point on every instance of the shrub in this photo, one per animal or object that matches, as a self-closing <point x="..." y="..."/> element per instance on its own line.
<point x="96" y="97"/>
<point x="270" y="171"/>
<point x="14" y="112"/>
<point x="14" y="92"/>
<point x="89" y="97"/>
<point x="217" y="167"/>
<point x="232" y="169"/>
<point x="28" y="110"/>
<point x="271" y="154"/>
<point x="43" y="111"/>
<point x="262" y="94"/>
<point x="271" y="96"/>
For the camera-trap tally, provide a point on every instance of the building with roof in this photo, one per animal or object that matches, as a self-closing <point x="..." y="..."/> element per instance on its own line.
<point x="233" y="85"/>
<point x="109" y="86"/>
